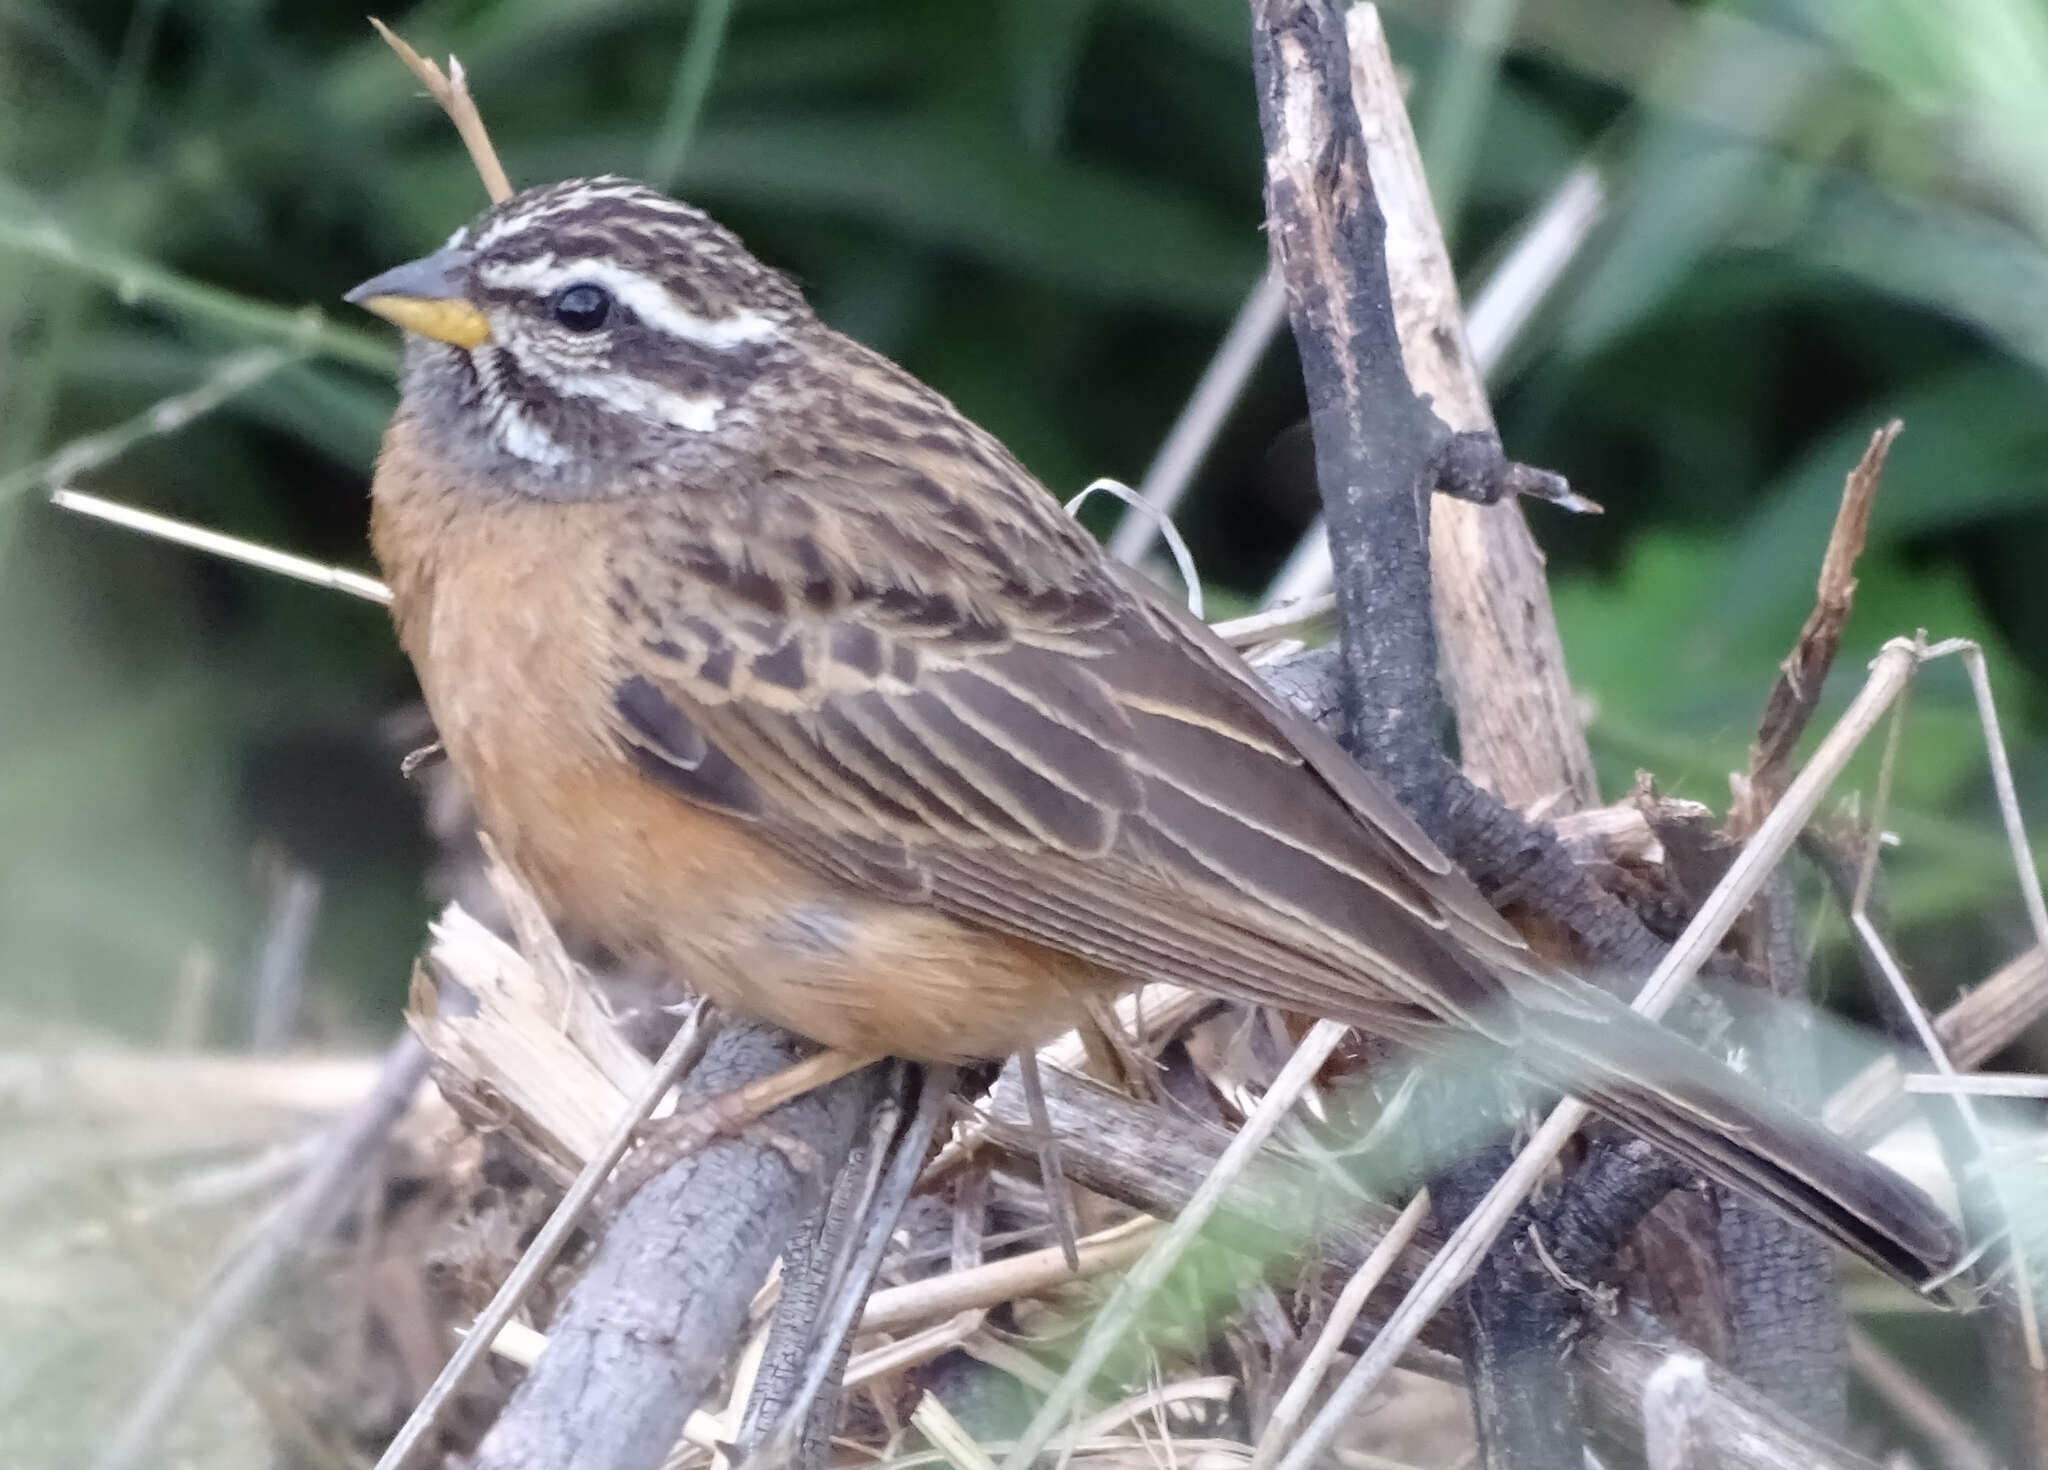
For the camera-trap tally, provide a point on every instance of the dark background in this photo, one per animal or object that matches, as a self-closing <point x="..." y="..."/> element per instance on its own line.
<point x="1822" y="215"/>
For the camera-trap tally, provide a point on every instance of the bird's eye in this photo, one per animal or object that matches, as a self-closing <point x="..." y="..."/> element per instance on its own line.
<point x="583" y="307"/>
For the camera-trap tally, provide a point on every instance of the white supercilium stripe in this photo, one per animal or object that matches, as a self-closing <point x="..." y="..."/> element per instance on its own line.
<point x="646" y="300"/>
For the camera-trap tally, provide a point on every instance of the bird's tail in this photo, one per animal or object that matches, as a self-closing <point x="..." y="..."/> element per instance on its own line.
<point x="1670" y="1093"/>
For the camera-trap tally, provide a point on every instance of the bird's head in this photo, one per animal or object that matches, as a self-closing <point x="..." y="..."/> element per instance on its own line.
<point x="578" y="334"/>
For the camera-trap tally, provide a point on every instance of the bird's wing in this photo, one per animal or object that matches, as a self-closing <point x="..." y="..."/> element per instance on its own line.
<point x="1050" y="752"/>
<point x="1053" y="758"/>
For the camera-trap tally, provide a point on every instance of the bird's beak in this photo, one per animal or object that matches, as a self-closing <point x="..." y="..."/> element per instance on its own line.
<point x="425" y="296"/>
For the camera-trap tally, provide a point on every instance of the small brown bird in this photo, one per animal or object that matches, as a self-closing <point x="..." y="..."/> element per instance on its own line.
<point x="763" y="661"/>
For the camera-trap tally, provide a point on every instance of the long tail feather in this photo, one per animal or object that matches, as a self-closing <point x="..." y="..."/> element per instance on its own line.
<point x="1673" y="1095"/>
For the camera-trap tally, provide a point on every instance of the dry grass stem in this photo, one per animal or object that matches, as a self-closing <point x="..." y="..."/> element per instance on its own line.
<point x="1544" y="246"/>
<point x="1278" y="621"/>
<point x="1183" y="559"/>
<point x="1216" y="393"/>
<point x="1975" y="1027"/>
<point x="1957" y="1447"/>
<point x="2008" y="798"/>
<point x="948" y="1436"/>
<point x="1216" y="1389"/>
<point x="1880" y="954"/>
<point x="1350" y="1302"/>
<point x="1796" y="694"/>
<point x="1117" y="1314"/>
<point x="541" y="1254"/>
<point x="1890" y="673"/>
<point x="216" y="543"/>
<point x="1052" y="1178"/>
<point x="943" y="1300"/>
<point x="1982" y="1084"/>
<point x="1034" y="1273"/>
<point x="452" y="92"/>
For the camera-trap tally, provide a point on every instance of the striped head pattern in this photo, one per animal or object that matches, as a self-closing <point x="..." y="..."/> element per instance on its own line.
<point x="579" y="331"/>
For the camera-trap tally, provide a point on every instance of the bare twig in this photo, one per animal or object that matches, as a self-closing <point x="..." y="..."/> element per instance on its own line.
<point x="1382" y="356"/>
<point x="1350" y="1302"/>
<point x="278" y="984"/>
<point x="452" y="92"/>
<point x="1523" y="736"/>
<point x="1117" y="1314"/>
<point x="1796" y="694"/>
<point x="1890" y="673"/>
<point x="305" y="1215"/>
<point x="233" y="376"/>
<point x="1784" y="1310"/>
<point x="919" y="1303"/>
<point x="682" y="1049"/>
<point x="1187" y="443"/>
<point x="1154" y="1160"/>
<point x="811" y="1259"/>
<point x="1519" y="727"/>
<point x="789" y="1442"/>
<point x="649" y="1325"/>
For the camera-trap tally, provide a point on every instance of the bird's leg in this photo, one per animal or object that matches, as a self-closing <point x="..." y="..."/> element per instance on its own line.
<point x="668" y="1140"/>
<point x="811" y="1264"/>
<point x="1052" y="1177"/>
<point x="855" y="1273"/>
<point x="1113" y="1052"/>
<point x="744" y="1105"/>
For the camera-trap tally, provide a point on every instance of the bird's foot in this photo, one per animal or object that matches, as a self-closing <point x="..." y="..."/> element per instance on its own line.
<point x="667" y="1141"/>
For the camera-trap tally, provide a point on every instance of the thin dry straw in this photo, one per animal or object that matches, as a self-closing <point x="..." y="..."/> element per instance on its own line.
<point x="1890" y="673"/>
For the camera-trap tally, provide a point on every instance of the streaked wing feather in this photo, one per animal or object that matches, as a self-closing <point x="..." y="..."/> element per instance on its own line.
<point x="1116" y="795"/>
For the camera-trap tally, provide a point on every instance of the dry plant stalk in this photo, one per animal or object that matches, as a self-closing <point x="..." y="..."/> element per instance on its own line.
<point x="452" y="92"/>
<point x="680" y="1052"/>
<point x="1890" y="673"/>
<point x="1502" y="656"/>
<point x="1796" y="694"/>
<point x="512" y="1061"/>
<point x="1121" y="1310"/>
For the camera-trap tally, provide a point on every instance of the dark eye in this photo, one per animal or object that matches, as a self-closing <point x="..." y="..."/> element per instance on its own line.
<point x="583" y="307"/>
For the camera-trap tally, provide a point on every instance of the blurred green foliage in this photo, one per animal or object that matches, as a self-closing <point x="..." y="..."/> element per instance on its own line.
<point x="1822" y="215"/>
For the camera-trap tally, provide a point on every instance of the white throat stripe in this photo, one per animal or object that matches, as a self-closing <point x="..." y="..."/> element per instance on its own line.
<point x="624" y="394"/>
